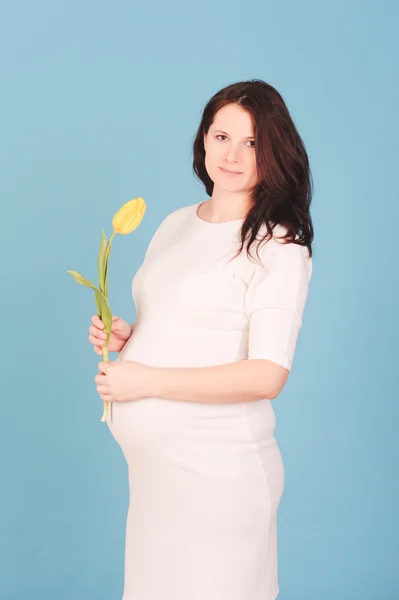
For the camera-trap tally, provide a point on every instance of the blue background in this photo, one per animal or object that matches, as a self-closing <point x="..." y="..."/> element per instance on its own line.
<point x="100" y="103"/>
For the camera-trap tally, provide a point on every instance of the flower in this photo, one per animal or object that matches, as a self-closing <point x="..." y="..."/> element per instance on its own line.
<point x="129" y="216"/>
<point x="126" y="220"/>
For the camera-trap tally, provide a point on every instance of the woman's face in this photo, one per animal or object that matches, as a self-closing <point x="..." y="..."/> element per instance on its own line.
<point x="230" y="144"/>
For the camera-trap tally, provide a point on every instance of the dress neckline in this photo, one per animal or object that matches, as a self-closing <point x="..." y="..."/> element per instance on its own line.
<point x="210" y="223"/>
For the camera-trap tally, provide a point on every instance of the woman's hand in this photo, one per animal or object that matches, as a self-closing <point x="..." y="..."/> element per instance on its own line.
<point x="124" y="381"/>
<point x="120" y="333"/>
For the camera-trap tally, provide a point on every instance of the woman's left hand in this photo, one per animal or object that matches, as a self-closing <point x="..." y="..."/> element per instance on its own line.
<point x="123" y="381"/>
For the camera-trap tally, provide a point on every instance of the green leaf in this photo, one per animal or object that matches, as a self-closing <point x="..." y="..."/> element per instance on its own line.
<point x="82" y="280"/>
<point x="107" y="253"/>
<point x="97" y="304"/>
<point x="101" y="262"/>
<point x="103" y="308"/>
<point x="105" y="313"/>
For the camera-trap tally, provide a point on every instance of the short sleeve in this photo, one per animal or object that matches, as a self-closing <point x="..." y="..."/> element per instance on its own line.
<point x="275" y="301"/>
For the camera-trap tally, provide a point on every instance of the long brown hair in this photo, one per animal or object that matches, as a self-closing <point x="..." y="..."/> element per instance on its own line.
<point x="284" y="190"/>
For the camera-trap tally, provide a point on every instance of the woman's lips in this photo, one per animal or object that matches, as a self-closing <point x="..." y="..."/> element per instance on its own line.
<point x="230" y="173"/>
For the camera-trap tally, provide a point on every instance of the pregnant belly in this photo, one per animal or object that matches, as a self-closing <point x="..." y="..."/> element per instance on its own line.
<point x="156" y="423"/>
<point x="183" y="432"/>
<point x="179" y="450"/>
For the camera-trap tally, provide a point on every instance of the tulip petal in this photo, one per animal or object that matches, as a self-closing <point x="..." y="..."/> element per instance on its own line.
<point x="129" y="216"/>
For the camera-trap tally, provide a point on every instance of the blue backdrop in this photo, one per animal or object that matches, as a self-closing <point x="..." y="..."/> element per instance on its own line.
<point x="100" y="103"/>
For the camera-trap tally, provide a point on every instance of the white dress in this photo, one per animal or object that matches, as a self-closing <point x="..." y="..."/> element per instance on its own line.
<point x="206" y="478"/>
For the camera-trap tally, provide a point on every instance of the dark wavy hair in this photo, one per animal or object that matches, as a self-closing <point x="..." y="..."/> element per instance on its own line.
<point x="284" y="189"/>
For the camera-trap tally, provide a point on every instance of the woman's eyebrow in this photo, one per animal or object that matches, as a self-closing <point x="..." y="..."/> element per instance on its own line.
<point x="225" y="133"/>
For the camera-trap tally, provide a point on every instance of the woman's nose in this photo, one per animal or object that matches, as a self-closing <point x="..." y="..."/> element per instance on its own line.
<point x="232" y="153"/>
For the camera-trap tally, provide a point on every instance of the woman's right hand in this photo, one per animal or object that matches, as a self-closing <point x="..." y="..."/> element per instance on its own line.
<point x="120" y="333"/>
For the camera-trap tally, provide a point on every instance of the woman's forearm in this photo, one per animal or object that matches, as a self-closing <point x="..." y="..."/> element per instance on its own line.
<point x="240" y="381"/>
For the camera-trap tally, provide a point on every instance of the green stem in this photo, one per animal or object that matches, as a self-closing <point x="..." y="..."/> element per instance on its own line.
<point x="106" y="403"/>
<point x="105" y="348"/>
<point x="108" y="252"/>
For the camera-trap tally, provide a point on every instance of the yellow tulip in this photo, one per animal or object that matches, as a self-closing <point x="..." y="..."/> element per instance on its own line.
<point x="129" y="216"/>
<point x="126" y="220"/>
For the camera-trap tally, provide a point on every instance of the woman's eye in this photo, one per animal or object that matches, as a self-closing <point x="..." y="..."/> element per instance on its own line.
<point x="223" y="136"/>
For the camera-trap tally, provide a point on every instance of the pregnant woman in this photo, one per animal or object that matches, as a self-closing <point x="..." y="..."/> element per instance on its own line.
<point x="213" y="344"/>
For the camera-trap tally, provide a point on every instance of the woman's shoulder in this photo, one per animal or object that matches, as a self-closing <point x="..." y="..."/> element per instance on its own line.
<point x="178" y="215"/>
<point x="278" y="239"/>
<point x="277" y="250"/>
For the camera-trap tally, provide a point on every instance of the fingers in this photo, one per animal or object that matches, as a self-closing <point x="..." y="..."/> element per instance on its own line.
<point x="96" y="334"/>
<point x="97" y="322"/>
<point x="97" y="342"/>
<point x="106" y="397"/>
<point x="97" y="346"/>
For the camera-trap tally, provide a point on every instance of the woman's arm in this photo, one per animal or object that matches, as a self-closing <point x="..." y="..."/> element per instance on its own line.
<point x="240" y="381"/>
<point x="275" y="303"/>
